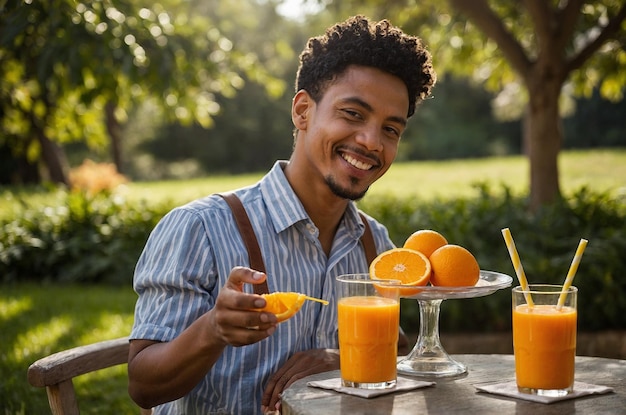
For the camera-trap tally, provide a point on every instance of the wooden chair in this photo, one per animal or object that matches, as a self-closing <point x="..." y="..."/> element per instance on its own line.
<point x="55" y="372"/>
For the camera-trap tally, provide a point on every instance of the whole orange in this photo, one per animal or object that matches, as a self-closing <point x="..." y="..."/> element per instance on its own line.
<point x="454" y="266"/>
<point x="425" y="241"/>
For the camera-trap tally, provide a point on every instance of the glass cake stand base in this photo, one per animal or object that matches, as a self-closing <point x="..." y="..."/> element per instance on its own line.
<point x="428" y="357"/>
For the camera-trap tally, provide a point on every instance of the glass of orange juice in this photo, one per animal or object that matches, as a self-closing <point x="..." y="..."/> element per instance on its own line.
<point x="369" y="320"/>
<point x="544" y="339"/>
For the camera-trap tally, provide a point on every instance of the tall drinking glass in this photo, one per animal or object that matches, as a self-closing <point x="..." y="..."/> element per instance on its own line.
<point x="544" y="339"/>
<point x="369" y="320"/>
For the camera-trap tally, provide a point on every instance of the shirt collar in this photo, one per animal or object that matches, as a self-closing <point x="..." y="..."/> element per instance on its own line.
<point x="285" y="208"/>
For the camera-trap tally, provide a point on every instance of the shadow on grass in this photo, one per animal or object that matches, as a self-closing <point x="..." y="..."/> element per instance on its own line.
<point x="37" y="320"/>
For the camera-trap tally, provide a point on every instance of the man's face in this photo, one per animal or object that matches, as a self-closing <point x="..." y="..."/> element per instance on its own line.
<point x="350" y="137"/>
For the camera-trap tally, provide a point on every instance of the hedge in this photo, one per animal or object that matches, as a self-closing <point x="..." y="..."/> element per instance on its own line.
<point x="98" y="238"/>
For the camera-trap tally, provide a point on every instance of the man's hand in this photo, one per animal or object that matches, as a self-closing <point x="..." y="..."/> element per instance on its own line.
<point x="233" y="320"/>
<point x="299" y="365"/>
<point x="162" y="372"/>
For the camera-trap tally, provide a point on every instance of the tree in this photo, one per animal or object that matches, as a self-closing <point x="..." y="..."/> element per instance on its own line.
<point x="71" y="71"/>
<point x="548" y="45"/>
<point x="534" y="52"/>
<point x="566" y="37"/>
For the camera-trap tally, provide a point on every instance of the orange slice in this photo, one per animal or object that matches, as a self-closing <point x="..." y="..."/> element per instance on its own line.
<point x="426" y="241"/>
<point x="454" y="266"/>
<point x="408" y="266"/>
<point x="285" y="304"/>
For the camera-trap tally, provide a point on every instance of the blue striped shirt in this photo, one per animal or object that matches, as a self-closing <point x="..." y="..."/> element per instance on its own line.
<point x="188" y="258"/>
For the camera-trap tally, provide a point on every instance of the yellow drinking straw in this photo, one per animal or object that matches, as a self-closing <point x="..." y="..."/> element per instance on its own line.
<point x="572" y="271"/>
<point x="517" y="265"/>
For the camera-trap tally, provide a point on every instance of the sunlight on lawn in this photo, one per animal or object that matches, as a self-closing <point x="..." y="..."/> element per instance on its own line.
<point x="108" y="326"/>
<point x="11" y="307"/>
<point x="37" y="340"/>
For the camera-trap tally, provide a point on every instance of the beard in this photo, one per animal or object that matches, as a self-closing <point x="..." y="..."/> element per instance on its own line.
<point x="342" y="192"/>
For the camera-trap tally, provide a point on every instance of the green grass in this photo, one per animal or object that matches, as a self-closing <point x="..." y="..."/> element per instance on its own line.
<point x="37" y="320"/>
<point x="602" y="170"/>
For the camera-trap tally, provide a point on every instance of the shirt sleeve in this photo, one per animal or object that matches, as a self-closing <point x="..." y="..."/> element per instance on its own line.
<point x="174" y="277"/>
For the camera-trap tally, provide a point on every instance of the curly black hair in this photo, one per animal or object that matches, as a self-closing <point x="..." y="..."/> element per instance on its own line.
<point x="357" y="41"/>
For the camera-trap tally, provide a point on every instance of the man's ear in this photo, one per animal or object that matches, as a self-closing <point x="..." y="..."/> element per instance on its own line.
<point x="300" y="107"/>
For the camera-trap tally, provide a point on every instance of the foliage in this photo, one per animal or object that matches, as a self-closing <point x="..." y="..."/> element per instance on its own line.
<point x="37" y="320"/>
<point x="98" y="238"/>
<point x="83" y="238"/>
<point x="545" y="240"/>
<point x="258" y="117"/>
<point x="536" y="55"/>
<point x="596" y="123"/>
<point x="458" y="123"/>
<point x="63" y="64"/>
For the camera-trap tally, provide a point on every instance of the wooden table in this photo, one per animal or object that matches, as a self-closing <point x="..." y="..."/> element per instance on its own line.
<point x="450" y="396"/>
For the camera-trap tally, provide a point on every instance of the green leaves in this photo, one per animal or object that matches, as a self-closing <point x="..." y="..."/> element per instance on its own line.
<point x="82" y="239"/>
<point x="62" y="61"/>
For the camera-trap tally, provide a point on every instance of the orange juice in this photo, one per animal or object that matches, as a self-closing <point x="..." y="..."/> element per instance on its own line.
<point x="368" y="338"/>
<point x="544" y="340"/>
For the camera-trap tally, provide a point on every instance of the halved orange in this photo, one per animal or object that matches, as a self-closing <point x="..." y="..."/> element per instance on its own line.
<point x="285" y="304"/>
<point x="410" y="267"/>
<point x="426" y="241"/>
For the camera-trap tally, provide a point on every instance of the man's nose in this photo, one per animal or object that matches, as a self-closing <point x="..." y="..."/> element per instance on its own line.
<point x="370" y="137"/>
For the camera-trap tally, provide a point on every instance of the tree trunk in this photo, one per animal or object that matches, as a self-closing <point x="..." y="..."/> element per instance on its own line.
<point x="115" y="135"/>
<point x="53" y="157"/>
<point x="543" y="141"/>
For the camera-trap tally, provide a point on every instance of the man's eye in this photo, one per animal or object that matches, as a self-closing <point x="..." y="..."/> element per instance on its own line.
<point x="352" y="113"/>
<point x="393" y="131"/>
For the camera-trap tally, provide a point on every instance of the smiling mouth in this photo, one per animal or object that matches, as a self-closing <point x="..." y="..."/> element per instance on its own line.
<point x="356" y="163"/>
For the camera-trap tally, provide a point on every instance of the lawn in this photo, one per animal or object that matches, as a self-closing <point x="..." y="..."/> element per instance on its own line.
<point x="599" y="169"/>
<point x="36" y="320"/>
<point x="602" y="170"/>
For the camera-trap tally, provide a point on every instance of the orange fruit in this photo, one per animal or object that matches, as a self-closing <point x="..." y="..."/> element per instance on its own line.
<point x="454" y="266"/>
<point x="408" y="266"/>
<point x="285" y="304"/>
<point x="426" y="241"/>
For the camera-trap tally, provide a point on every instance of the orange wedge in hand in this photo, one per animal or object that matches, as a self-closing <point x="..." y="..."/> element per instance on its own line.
<point x="285" y="304"/>
<point x="408" y="266"/>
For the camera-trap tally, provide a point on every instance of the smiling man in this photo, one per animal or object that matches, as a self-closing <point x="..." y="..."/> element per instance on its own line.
<point x="197" y="345"/>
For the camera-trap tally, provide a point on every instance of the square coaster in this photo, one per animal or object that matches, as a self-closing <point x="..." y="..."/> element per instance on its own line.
<point x="402" y="384"/>
<point x="510" y="389"/>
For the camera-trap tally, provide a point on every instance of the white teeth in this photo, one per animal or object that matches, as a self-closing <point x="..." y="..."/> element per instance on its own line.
<point x="356" y="163"/>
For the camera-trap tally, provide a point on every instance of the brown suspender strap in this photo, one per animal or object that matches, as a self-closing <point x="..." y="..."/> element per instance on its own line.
<point x="252" y="244"/>
<point x="368" y="241"/>
<point x="249" y="238"/>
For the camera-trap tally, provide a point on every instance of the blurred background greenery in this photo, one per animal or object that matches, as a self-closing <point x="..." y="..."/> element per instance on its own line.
<point x="114" y="111"/>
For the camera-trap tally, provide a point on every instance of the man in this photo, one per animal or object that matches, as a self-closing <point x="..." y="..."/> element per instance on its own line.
<point x="197" y="345"/>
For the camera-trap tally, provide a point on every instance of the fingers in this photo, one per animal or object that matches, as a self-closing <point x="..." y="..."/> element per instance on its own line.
<point x="242" y="275"/>
<point x="235" y="316"/>
<point x="300" y="365"/>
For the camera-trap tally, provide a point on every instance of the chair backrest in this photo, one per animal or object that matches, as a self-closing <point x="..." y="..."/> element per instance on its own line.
<point x="55" y="372"/>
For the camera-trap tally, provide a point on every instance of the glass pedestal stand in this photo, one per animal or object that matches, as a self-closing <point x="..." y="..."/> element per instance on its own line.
<point x="428" y="357"/>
